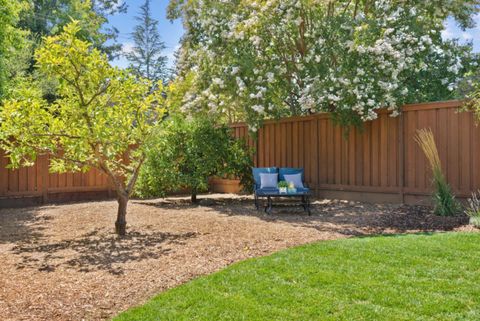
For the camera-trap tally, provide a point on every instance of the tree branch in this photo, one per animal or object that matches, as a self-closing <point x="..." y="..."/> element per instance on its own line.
<point x="57" y="135"/>
<point x="134" y="177"/>
<point x="355" y="11"/>
<point x="98" y="93"/>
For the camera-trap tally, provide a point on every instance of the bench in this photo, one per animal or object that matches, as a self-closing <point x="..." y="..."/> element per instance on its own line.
<point x="300" y="195"/>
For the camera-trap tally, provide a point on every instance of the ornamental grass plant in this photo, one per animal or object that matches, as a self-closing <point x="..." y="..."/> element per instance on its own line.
<point x="473" y="209"/>
<point x="443" y="198"/>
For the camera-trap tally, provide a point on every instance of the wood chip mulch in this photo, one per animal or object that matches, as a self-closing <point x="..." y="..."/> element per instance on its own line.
<point x="62" y="262"/>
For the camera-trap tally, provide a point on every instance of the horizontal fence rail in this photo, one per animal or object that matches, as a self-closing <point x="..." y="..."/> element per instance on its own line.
<point x="380" y="162"/>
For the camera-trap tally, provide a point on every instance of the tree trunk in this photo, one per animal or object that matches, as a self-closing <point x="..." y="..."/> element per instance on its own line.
<point x="121" y="223"/>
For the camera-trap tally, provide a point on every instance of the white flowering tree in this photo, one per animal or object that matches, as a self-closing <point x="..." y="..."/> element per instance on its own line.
<point x="348" y="57"/>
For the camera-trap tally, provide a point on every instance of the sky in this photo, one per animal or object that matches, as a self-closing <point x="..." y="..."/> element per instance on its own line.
<point x="473" y="35"/>
<point x="169" y="32"/>
<point x="172" y="32"/>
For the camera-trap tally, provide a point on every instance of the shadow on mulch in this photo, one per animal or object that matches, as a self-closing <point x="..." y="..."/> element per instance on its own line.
<point x="21" y="225"/>
<point x="185" y="203"/>
<point x="343" y="217"/>
<point x="97" y="251"/>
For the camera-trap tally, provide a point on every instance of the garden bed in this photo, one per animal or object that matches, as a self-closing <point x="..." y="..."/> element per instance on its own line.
<point x="63" y="262"/>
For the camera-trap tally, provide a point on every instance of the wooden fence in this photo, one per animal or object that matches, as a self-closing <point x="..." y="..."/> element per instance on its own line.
<point x="33" y="185"/>
<point x="382" y="162"/>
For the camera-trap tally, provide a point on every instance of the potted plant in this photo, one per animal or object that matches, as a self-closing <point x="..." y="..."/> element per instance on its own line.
<point x="282" y="186"/>
<point x="291" y="188"/>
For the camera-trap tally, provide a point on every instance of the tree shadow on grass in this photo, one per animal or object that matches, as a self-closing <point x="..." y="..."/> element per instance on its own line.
<point x="98" y="251"/>
<point x="334" y="216"/>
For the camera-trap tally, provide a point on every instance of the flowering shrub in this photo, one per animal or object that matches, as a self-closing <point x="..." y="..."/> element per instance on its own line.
<point x="282" y="57"/>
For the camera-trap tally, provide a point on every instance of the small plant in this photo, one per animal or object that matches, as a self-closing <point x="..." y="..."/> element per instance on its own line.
<point x="473" y="211"/>
<point x="443" y="198"/>
<point x="282" y="184"/>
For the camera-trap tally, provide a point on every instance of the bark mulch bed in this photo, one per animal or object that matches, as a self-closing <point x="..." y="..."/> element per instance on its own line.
<point x="62" y="262"/>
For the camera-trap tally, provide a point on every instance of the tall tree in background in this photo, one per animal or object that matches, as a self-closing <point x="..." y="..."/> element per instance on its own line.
<point x="43" y="18"/>
<point x="48" y="17"/>
<point x="146" y="57"/>
<point x="12" y="41"/>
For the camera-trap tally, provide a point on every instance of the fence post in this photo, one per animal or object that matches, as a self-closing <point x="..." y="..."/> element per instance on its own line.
<point x="3" y="174"/>
<point x="45" y="174"/>
<point x="255" y="143"/>
<point x="401" y="151"/>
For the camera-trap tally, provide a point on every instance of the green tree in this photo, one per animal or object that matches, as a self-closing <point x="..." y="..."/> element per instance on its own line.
<point x="12" y="41"/>
<point x="146" y="57"/>
<point x="348" y="57"/>
<point x="48" y="17"/>
<point x="186" y="153"/>
<point x="102" y="118"/>
<point x="42" y="18"/>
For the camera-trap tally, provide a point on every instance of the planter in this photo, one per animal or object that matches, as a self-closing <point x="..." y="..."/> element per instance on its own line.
<point x="475" y="221"/>
<point x="222" y="185"/>
<point x="282" y="190"/>
<point x="292" y="190"/>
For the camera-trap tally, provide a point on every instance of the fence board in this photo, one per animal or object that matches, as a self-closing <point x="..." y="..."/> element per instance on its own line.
<point x="36" y="181"/>
<point x="380" y="159"/>
<point x="3" y="174"/>
<point x="364" y="173"/>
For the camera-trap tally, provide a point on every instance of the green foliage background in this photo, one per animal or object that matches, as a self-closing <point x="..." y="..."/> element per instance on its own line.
<point x="12" y="40"/>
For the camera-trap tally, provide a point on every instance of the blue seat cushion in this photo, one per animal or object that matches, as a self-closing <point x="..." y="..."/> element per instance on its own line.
<point x="290" y="171"/>
<point x="303" y="190"/>
<point x="271" y="190"/>
<point x="256" y="171"/>
<point x="267" y="190"/>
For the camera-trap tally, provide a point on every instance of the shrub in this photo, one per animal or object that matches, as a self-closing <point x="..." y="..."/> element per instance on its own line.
<point x="473" y="211"/>
<point x="443" y="198"/>
<point x="185" y="153"/>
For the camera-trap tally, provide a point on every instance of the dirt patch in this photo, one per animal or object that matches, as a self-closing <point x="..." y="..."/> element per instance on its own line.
<point x="64" y="263"/>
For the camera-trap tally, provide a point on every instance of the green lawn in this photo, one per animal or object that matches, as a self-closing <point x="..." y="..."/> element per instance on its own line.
<point x="407" y="277"/>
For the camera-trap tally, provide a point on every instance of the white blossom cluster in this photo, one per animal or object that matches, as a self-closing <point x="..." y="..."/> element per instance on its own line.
<point x="280" y="57"/>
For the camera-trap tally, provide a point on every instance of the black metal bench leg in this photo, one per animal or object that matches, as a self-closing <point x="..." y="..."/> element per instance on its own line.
<point x="306" y="204"/>
<point x="256" y="202"/>
<point x="268" y="208"/>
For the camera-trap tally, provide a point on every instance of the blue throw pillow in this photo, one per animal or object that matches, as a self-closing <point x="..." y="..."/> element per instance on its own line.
<point x="290" y="171"/>
<point x="296" y="179"/>
<point x="256" y="171"/>
<point x="268" y="180"/>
